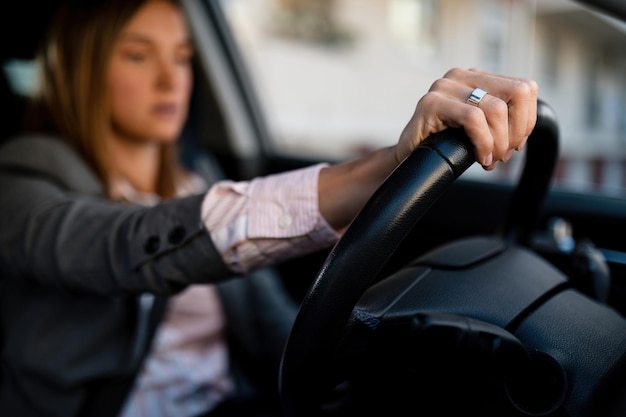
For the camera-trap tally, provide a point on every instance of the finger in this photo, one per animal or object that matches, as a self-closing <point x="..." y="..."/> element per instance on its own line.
<point x="532" y="112"/>
<point x="496" y="114"/>
<point x="491" y="113"/>
<point x="442" y="108"/>
<point x="519" y="94"/>
<point x="502" y="120"/>
<point x="513" y="97"/>
<point x="522" y="99"/>
<point x="534" y="95"/>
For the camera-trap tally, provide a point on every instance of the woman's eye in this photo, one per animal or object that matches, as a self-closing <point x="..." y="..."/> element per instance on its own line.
<point x="135" y="56"/>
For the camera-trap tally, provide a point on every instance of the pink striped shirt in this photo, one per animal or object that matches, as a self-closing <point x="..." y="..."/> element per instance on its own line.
<point x="253" y="224"/>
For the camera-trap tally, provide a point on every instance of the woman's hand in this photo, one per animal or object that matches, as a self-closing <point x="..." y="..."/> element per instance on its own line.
<point x="498" y="125"/>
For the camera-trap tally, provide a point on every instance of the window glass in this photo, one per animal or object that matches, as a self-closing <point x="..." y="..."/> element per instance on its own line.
<point x="413" y="26"/>
<point x="21" y="76"/>
<point x="338" y="77"/>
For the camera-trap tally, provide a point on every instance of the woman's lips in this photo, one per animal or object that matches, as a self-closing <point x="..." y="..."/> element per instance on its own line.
<point x="165" y="109"/>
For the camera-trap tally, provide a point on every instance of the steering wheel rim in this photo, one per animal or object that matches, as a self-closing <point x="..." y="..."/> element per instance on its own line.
<point x="376" y="233"/>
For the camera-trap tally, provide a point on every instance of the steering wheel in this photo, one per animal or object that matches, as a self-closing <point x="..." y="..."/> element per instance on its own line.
<point x="375" y="234"/>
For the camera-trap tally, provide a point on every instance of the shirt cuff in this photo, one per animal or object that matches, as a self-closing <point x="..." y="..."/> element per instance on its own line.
<point x="259" y="222"/>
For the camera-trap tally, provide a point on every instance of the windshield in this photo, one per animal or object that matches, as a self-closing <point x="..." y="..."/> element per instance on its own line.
<point x="338" y="77"/>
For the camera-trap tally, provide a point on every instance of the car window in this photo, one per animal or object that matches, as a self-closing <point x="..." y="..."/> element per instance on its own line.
<point x="338" y="77"/>
<point x="21" y="76"/>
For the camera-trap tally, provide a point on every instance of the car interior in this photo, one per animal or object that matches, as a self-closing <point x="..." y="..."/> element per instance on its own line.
<point x="447" y="295"/>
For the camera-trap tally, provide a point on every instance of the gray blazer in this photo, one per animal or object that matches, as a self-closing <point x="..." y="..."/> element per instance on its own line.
<point x="84" y="281"/>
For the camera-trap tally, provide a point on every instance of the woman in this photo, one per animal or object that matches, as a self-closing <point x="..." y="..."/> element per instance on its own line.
<point x="114" y="298"/>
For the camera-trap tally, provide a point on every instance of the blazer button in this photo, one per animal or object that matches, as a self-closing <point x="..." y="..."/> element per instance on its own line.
<point x="176" y="235"/>
<point x="152" y="245"/>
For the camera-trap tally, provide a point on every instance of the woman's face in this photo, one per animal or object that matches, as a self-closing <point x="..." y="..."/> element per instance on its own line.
<point x="149" y="75"/>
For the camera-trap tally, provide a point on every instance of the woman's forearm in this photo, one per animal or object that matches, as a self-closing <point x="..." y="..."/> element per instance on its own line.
<point x="345" y="188"/>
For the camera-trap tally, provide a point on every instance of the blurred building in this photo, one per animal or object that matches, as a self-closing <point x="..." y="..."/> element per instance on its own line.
<point x="582" y="69"/>
<point x="340" y="76"/>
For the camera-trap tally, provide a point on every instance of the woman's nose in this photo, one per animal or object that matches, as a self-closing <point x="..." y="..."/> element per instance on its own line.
<point x="166" y="77"/>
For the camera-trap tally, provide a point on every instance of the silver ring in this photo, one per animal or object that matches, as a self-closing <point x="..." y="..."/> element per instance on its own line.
<point x="475" y="96"/>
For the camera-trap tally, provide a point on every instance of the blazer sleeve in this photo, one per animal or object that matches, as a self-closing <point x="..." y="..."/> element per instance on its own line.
<point x="58" y="229"/>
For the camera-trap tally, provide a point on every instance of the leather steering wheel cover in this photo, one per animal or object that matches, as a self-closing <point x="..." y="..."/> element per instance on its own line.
<point x="360" y="254"/>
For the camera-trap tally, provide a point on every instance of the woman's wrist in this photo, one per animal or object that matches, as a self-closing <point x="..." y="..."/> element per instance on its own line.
<point x="343" y="189"/>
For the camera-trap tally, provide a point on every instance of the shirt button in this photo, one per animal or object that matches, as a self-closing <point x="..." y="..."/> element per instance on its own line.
<point x="284" y="221"/>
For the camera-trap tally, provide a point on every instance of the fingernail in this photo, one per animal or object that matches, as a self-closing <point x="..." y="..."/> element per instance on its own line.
<point x="488" y="160"/>
<point x="508" y="155"/>
<point x="521" y="145"/>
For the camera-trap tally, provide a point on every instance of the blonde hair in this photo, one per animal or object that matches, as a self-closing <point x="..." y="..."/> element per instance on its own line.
<point x="72" y="100"/>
